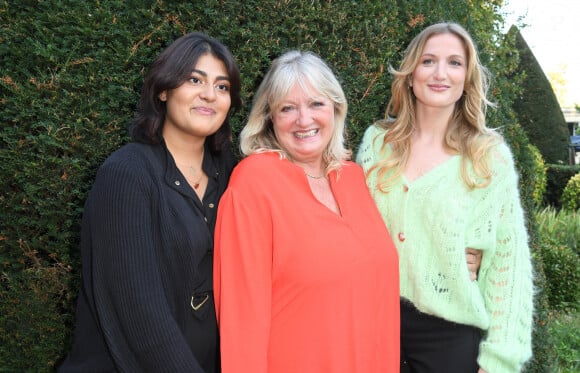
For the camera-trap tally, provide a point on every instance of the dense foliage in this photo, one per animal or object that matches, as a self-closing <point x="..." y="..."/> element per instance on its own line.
<point x="537" y="107"/>
<point x="571" y="194"/>
<point x="562" y="263"/>
<point x="557" y="177"/>
<point x="540" y="177"/>
<point x="560" y="247"/>
<point x="70" y="74"/>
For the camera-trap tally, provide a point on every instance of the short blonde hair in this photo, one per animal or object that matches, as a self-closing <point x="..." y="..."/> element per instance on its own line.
<point x="304" y="68"/>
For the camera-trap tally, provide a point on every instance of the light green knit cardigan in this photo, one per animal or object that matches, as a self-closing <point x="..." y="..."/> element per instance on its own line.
<point x="432" y="220"/>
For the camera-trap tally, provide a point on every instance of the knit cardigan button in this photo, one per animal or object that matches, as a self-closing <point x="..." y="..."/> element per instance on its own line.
<point x="401" y="236"/>
<point x="405" y="188"/>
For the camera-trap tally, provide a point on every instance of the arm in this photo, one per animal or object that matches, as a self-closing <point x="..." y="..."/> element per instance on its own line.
<point x="507" y="282"/>
<point x="129" y="297"/>
<point x="243" y="279"/>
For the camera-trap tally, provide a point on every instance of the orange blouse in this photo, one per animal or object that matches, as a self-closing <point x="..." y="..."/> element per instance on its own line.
<point x="297" y="287"/>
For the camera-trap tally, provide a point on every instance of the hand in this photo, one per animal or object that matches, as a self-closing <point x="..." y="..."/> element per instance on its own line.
<point x="481" y="370"/>
<point x="473" y="259"/>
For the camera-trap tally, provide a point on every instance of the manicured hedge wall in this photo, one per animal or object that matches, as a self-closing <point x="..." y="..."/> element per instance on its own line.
<point x="537" y="107"/>
<point x="70" y="74"/>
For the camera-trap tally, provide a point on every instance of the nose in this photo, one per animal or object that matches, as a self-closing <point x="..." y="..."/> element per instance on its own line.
<point x="440" y="71"/>
<point x="304" y="117"/>
<point x="208" y="92"/>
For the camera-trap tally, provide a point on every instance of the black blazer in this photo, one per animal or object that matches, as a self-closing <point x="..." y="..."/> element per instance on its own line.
<point x="146" y="302"/>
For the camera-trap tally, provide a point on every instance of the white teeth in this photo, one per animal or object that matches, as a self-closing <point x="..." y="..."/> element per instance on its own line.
<point x="303" y="135"/>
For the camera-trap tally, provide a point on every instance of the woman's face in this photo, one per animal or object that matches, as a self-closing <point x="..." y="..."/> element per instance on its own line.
<point x="439" y="78"/>
<point x="304" y="124"/>
<point x="200" y="105"/>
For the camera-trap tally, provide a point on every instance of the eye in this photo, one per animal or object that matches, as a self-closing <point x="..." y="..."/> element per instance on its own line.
<point x="223" y="87"/>
<point x="318" y="103"/>
<point x="456" y="63"/>
<point x="427" y="61"/>
<point x="195" y="80"/>
<point x="286" y="108"/>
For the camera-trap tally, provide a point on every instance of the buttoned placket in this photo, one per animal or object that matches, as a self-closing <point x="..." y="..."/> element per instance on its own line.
<point x="401" y="234"/>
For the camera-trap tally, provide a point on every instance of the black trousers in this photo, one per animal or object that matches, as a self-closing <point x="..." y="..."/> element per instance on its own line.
<point x="432" y="345"/>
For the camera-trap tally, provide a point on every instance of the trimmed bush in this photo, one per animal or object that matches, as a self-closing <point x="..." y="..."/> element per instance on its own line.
<point x="538" y="109"/>
<point x="571" y="194"/>
<point x="557" y="178"/>
<point x="562" y="268"/>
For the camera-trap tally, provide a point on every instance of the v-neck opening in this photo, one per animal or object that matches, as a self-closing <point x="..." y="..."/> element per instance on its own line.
<point x="332" y="174"/>
<point x="433" y="171"/>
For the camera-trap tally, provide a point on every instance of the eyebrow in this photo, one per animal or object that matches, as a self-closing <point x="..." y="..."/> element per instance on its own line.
<point x="452" y="56"/>
<point x="204" y="74"/>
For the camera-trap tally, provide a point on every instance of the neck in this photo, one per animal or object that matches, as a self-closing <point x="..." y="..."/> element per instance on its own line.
<point x="183" y="147"/>
<point x="186" y="150"/>
<point x="313" y="170"/>
<point x="431" y="125"/>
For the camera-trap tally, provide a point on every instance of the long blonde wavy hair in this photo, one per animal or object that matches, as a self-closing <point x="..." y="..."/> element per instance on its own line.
<point x="466" y="134"/>
<point x="295" y="67"/>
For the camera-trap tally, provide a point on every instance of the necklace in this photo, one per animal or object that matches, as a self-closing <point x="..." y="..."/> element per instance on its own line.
<point x="314" y="177"/>
<point x="193" y="171"/>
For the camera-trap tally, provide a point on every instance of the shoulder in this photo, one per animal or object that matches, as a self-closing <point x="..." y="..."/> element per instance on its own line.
<point x="501" y="158"/>
<point x="351" y="169"/>
<point x="262" y="167"/>
<point x="258" y="163"/>
<point x="502" y="151"/>
<point x="224" y="160"/>
<point x="131" y="153"/>
<point x="372" y="132"/>
<point x="371" y="144"/>
<point x="132" y="160"/>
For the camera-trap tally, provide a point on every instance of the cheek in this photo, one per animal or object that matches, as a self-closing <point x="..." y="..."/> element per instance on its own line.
<point x="227" y="102"/>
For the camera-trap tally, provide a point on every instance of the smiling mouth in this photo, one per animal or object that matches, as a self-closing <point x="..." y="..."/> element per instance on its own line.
<point x="306" y="134"/>
<point x="204" y="110"/>
<point x="438" y="86"/>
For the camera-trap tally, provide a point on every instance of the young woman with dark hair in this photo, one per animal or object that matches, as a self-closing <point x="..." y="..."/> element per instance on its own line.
<point x="146" y="298"/>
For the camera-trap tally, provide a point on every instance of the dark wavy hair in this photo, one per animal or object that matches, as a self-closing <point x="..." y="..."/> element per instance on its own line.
<point x="171" y="69"/>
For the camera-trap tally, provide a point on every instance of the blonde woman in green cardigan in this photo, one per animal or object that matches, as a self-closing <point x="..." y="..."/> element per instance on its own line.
<point x="445" y="182"/>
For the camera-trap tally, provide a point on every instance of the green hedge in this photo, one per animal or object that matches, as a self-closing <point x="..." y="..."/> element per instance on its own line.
<point x="537" y="107"/>
<point x="571" y="195"/>
<point x="562" y="268"/>
<point x="70" y="75"/>
<point x="557" y="178"/>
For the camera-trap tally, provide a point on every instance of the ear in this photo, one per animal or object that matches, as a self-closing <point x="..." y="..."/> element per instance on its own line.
<point x="163" y="96"/>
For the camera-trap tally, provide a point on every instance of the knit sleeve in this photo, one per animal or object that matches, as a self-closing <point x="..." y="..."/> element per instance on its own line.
<point x="128" y="289"/>
<point x="506" y="279"/>
<point x="243" y="275"/>
<point x="365" y="155"/>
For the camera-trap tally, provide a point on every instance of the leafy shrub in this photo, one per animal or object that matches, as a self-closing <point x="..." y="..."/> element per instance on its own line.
<point x="557" y="178"/>
<point x="562" y="268"/>
<point x="571" y="194"/>
<point x="542" y="346"/>
<point x="562" y="226"/>
<point x="539" y="172"/>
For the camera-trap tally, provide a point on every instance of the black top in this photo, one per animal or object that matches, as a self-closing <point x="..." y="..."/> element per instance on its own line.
<point x="147" y="245"/>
